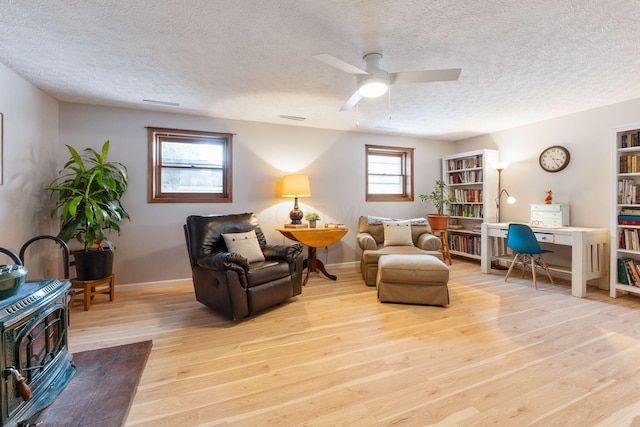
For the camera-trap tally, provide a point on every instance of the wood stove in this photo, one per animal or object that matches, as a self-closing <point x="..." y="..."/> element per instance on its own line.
<point x="34" y="357"/>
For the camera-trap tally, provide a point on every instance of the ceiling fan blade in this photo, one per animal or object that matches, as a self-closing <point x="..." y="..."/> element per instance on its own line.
<point x="352" y="101"/>
<point x="339" y="64"/>
<point x="425" y="76"/>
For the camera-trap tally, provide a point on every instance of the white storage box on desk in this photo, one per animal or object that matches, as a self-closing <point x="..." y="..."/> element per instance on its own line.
<point x="550" y="215"/>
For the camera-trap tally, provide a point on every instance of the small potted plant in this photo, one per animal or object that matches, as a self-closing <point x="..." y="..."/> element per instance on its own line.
<point x="312" y="217"/>
<point x="89" y="189"/>
<point x="439" y="198"/>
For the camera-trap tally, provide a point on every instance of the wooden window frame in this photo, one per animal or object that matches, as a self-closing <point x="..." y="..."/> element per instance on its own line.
<point x="407" y="162"/>
<point x="155" y="139"/>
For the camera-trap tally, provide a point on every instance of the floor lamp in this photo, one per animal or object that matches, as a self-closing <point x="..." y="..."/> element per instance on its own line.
<point x="500" y="166"/>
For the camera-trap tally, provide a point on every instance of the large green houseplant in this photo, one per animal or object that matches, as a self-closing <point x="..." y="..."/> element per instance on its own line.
<point x="89" y="189"/>
<point x="440" y="198"/>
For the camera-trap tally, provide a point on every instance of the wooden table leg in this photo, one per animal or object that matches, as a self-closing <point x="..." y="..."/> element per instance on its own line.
<point x="312" y="263"/>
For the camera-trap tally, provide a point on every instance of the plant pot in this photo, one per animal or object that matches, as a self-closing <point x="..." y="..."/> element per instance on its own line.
<point x="438" y="222"/>
<point x="93" y="264"/>
<point x="312" y="223"/>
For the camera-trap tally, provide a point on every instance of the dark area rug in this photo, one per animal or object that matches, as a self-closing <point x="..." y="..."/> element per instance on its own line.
<point x="101" y="391"/>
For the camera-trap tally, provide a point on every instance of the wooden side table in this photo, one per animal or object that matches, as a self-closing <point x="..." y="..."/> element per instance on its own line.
<point x="442" y="235"/>
<point x="314" y="238"/>
<point x="92" y="288"/>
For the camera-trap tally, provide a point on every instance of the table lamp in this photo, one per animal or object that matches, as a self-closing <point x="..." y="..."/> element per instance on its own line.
<point x="296" y="185"/>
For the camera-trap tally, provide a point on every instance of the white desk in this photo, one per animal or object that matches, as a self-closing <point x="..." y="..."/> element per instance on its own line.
<point x="589" y="252"/>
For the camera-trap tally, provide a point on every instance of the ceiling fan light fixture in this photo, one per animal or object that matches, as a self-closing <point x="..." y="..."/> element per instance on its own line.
<point x="373" y="88"/>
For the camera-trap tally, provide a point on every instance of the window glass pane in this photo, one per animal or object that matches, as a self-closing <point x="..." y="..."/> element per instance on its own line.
<point x="386" y="184"/>
<point x="191" y="180"/>
<point x="192" y="154"/>
<point x="385" y="165"/>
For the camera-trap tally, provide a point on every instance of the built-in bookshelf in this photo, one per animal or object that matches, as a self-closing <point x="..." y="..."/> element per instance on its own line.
<point x="625" y="221"/>
<point x="473" y="183"/>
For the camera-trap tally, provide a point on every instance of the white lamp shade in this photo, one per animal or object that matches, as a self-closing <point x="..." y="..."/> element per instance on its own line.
<point x="296" y="185"/>
<point x="499" y="166"/>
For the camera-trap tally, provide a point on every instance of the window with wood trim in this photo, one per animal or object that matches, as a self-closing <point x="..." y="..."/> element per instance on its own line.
<point x="189" y="166"/>
<point x="389" y="174"/>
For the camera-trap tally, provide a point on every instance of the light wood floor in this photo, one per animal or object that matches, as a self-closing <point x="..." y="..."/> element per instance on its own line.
<point x="501" y="354"/>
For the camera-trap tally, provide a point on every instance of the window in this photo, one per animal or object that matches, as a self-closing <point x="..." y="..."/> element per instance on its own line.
<point x="189" y="166"/>
<point x="389" y="174"/>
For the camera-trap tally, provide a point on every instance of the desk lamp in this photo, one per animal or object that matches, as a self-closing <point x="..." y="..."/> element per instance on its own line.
<point x="296" y="185"/>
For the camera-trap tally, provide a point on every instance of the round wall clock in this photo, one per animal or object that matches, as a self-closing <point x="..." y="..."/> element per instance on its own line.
<point x="554" y="159"/>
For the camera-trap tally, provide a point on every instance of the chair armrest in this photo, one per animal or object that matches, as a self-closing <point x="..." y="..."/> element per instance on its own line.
<point x="223" y="261"/>
<point x="366" y="241"/>
<point x="429" y="242"/>
<point x="285" y="252"/>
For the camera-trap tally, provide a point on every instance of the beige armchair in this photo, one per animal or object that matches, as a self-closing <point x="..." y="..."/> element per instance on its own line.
<point x="370" y="238"/>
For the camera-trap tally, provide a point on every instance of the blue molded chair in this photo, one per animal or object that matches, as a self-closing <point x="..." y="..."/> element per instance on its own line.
<point x="522" y="241"/>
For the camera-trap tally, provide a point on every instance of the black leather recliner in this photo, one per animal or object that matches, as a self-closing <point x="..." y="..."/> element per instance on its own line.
<point x="226" y="281"/>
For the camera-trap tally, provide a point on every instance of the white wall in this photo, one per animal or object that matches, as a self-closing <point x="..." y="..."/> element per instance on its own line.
<point x="151" y="246"/>
<point x="587" y="182"/>
<point x="29" y="149"/>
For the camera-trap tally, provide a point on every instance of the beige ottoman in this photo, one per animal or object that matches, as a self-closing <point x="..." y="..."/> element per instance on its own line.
<point x="412" y="279"/>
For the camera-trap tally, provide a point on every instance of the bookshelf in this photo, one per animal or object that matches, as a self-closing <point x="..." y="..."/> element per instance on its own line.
<point x="625" y="220"/>
<point x="472" y="181"/>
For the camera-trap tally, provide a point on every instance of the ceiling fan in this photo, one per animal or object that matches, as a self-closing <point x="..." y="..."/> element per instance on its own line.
<point x="375" y="81"/>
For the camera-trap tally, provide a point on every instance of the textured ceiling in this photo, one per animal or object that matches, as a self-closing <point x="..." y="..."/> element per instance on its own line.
<point x="522" y="61"/>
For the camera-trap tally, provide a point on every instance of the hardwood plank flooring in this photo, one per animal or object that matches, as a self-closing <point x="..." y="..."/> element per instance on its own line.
<point x="500" y="354"/>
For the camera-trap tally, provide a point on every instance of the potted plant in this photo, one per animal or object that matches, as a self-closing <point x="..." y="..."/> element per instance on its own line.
<point x="439" y="198"/>
<point x="312" y="217"/>
<point x="89" y="189"/>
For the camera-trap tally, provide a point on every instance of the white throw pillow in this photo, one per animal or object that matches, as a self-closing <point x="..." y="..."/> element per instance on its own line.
<point x="397" y="233"/>
<point x="245" y="244"/>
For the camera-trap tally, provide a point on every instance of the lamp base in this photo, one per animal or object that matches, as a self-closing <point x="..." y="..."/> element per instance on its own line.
<point x="296" y="216"/>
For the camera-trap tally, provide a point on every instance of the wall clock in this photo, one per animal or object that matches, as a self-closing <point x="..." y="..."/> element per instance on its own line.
<point x="554" y="159"/>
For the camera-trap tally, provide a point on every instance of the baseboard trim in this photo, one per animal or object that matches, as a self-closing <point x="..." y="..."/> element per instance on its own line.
<point x="188" y="281"/>
<point x="151" y="285"/>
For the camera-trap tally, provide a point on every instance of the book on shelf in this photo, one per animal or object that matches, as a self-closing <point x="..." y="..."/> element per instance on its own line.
<point x="627" y="192"/>
<point x="632" y="274"/>
<point x="631" y="139"/>
<point x="334" y="225"/>
<point x="623" y="276"/>
<point x="629" y="219"/>
<point x="630" y="211"/>
<point x="628" y="222"/>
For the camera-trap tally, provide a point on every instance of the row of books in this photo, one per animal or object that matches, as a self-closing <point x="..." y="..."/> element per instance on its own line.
<point x="629" y="216"/>
<point x="465" y="177"/>
<point x="629" y="271"/>
<point x="466" y="195"/>
<point x="631" y="139"/>
<point x="629" y="238"/>
<point x="467" y="163"/>
<point x="466" y="244"/>
<point x="628" y="192"/>
<point x="469" y="211"/>
<point x="630" y="164"/>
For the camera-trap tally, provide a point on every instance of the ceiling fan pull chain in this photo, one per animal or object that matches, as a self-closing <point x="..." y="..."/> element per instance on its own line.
<point x="389" y="92"/>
